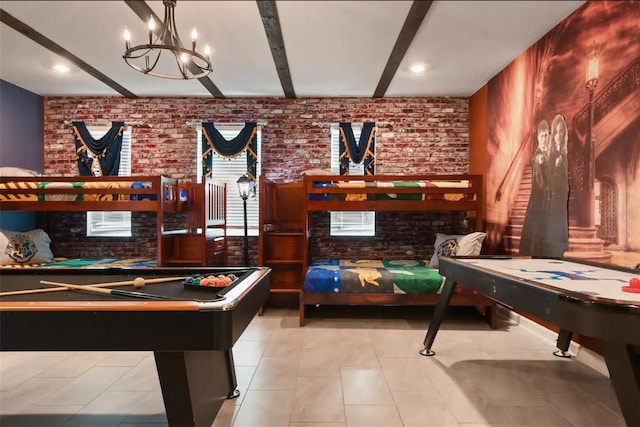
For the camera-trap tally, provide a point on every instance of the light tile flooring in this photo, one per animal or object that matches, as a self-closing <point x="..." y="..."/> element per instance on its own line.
<point x="338" y="371"/>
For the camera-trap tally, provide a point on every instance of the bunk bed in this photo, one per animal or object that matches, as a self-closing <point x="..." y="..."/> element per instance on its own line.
<point x="284" y="245"/>
<point x="204" y="240"/>
<point x="204" y="205"/>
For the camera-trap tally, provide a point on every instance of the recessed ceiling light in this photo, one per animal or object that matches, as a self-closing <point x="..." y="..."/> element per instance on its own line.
<point x="418" y="68"/>
<point x="61" y="68"/>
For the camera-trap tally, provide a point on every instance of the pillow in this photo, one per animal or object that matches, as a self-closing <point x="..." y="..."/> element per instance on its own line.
<point x="12" y="171"/>
<point x="456" y="244"/>
<point x="317" y="172"/>
<point x="25" y="247"/>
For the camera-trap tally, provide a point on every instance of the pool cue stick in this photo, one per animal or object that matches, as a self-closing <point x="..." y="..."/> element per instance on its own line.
<point x="107" y="291"/>
<point x="97" y="285"/>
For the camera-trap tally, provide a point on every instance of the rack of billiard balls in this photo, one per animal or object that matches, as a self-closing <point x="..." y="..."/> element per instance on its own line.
<point x="219" y="281"/>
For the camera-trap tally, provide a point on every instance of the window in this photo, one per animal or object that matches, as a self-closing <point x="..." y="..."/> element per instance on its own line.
<point x="349" y="223"/>
<point x="112" y="224"/>
<point x="229" y="170"/>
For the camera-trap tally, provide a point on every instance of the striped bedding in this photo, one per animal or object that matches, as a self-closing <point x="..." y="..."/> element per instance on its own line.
<point x="420" y="195"/>
<point x="51" y="193"/>
<point x="91" y="263"/>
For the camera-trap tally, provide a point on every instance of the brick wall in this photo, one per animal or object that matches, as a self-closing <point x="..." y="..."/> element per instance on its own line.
<point x="415" y="135"/>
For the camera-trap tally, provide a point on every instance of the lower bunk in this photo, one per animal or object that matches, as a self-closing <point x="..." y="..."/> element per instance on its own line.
<point x="89" y="262"/>
<point x="384" y="282"/>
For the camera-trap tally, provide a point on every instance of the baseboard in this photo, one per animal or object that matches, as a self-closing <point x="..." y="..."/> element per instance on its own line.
<point x="579" y="352"/>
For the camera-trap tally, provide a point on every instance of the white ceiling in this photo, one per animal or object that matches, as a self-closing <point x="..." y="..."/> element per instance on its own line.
<point x="334" y="48"/>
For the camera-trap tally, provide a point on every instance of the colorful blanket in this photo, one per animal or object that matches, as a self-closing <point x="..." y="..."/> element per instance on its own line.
<point x="92" y="263"/>
<point x="77" y="195"/>
<point x="420" y="194"/>
<point x="374" y="276"/>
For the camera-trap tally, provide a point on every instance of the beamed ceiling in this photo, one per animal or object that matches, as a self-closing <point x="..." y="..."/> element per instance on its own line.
<point x="292" y="49"/>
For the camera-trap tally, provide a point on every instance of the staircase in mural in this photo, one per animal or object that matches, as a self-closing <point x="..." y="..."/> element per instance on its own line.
<point x="513" y="232"/>
<point x="583" y="243"/>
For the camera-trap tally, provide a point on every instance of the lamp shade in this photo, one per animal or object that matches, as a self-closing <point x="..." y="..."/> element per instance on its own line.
<point x="244" y="186"/>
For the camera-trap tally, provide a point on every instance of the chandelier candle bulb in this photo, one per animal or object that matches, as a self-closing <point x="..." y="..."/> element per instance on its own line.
<point x="127" y="37"/>
<point x="152" y="26"/>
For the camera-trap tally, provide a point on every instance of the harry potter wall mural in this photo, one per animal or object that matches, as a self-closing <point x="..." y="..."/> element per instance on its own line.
<point x="563" y="166"/>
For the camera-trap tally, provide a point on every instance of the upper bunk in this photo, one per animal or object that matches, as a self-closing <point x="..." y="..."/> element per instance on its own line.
<point x="393" y="193"/>
<point x="87" y="193"/>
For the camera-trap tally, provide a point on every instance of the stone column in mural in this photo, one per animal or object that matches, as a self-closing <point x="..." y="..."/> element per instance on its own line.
<point x="583" y="151"/>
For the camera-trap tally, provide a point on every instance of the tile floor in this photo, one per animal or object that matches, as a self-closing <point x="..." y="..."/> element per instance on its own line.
<point x="340" y="370"/>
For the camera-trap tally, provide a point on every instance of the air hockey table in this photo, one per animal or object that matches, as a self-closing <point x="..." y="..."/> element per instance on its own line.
<point x="579" y="297"/>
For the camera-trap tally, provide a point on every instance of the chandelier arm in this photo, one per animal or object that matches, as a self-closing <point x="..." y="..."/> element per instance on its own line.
<point x="173" y="31"/>
<point x="181" y="66"/>
<point x="156" y="61"/>
<point x="174" y="40"/>
<point x="138" y="55"/>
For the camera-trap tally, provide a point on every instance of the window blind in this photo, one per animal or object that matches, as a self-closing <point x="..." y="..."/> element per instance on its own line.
<point x="347" y="223"/>
<point x="229" y="170"/>
<point x="112" y="224"/>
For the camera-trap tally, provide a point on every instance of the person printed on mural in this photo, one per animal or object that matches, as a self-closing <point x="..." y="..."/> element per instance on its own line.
<point x="558" y="224"/>
<point x="534" y="228"/>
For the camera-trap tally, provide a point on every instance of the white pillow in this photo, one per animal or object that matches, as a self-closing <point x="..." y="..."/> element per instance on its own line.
<point x="456" y="245"/>
<point x="13" y="171"/>
<point x="25" y="247"/>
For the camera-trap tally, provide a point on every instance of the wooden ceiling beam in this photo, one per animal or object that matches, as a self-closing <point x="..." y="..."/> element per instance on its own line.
<point x="271" y="22"/>
<point x="412" y="23"/>
<point x="49" y="44"/>
<point x="142" y="9"/>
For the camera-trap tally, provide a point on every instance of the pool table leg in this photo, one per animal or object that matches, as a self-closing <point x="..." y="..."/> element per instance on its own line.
<point x="231" y="375"/>
<point x="194" y="385"/>
<point x="624" y="370"/>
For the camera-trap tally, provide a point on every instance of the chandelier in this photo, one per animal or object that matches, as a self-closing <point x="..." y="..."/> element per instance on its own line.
<point x="149" y="59"/>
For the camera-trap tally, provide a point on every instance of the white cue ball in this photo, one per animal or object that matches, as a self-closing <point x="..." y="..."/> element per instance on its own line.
<point x="138" y="282"/>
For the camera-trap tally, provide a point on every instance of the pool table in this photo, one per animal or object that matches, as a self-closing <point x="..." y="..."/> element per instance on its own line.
<point x="191" y="331"/>
<point x="577" y="296"/>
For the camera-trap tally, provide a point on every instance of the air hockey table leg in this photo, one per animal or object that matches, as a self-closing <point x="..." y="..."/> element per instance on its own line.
<point x="563" y="342"/>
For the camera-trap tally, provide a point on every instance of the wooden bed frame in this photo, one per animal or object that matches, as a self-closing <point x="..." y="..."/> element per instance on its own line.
<point x="291" y="278"/>
<point x="206" y="209"/>
<point x="204" y="241"/>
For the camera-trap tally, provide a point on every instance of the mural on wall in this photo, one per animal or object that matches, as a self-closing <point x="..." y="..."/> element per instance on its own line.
<point x="563" y="166"/>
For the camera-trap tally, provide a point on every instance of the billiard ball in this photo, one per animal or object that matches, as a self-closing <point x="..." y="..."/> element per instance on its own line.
<point x="138" y="282"/>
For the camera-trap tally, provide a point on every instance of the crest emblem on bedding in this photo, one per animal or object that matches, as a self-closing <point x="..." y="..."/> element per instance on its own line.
<point x="447" y="248"/>
<point x="20" y="248"/>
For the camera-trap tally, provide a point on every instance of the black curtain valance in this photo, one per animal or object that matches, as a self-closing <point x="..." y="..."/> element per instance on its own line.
<point x="212" y="140"/>
<point x="361" y="151"/>
<point x="105" y="150"/>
